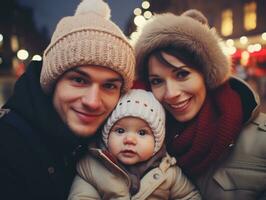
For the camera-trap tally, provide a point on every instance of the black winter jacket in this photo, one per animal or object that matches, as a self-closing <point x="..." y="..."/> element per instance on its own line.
<point x="38" y="152"/>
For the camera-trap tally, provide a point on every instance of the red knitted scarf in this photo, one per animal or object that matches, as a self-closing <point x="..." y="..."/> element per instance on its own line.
<point x="209" y="135"/>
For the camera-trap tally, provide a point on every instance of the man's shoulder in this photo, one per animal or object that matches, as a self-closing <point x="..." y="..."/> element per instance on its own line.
<point x="5" y="127"/>
<point x="3" y="112"/>
<point x="12" y="129"/>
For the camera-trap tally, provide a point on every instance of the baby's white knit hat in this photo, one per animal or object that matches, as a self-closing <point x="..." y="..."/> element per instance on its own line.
<point x="142" y="104"/>
<point x="87" y="38"/>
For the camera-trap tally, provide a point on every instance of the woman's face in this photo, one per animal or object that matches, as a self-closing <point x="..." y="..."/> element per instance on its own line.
<point x="180" y="89"/>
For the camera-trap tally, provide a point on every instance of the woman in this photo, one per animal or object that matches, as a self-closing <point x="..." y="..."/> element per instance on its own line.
<point x="214" y="127"/>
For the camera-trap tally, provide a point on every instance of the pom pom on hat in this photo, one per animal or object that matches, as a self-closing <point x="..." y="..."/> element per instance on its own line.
<point x="87" y="38"/>
<point x="97" y="6"/>
<point x="190" y="33"/>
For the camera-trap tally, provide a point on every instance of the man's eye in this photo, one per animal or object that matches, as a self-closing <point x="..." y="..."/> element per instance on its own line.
<point x="142" y="132"/>
<point x="110" y="86"/>
<point x="119" y="130"/>
<point x="155" y="81"/>
<point x="79" y="80"/>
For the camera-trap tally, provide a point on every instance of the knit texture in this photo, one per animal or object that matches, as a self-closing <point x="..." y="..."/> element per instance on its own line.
<point x="188" y="32"/>
<point x="142" y="104"/>
<point x="209" y="135"/>
<point x="87" y="38"/>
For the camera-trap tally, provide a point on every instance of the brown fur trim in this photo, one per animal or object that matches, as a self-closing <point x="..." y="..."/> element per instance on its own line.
<point x="186" y="33"/>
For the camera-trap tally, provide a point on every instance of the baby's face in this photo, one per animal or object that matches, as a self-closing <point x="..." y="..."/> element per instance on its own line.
<point x="131" y="140"/>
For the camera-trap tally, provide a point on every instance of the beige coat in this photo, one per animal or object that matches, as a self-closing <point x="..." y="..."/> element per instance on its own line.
<point x="241" y="173"/>
<point x="105" y="180"/>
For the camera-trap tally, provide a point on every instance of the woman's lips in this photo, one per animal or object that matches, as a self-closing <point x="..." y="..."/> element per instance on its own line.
<point x="180" y="107"/>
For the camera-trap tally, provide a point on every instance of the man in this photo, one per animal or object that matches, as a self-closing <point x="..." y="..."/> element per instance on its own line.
<point x="58" y="105"/>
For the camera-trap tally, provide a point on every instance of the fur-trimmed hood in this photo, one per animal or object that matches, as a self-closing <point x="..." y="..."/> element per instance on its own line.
<point x="188" y="31"/>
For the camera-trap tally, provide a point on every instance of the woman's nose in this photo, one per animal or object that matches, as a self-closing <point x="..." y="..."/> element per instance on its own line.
<point x="172" y="90"/>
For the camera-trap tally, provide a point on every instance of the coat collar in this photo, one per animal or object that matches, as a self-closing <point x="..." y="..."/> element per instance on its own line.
<point x="110" y="162"/>
<point x="250" y="99"/>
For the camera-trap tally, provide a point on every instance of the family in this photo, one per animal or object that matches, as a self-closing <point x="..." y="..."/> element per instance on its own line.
<point x="159" y="117"/>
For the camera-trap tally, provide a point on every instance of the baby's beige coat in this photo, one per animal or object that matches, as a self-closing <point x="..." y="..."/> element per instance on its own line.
<point x="105" y="180"/>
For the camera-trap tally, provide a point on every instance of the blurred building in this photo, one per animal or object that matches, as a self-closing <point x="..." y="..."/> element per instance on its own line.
<point x="20" y="42"/>
<point x="240" y="23"/>
<point x="18" y="32"/>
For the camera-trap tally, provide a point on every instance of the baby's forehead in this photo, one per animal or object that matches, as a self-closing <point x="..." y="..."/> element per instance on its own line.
<point x="131" y="121"/>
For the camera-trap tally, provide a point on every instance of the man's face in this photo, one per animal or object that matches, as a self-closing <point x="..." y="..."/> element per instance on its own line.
<point x="85" y="96"/>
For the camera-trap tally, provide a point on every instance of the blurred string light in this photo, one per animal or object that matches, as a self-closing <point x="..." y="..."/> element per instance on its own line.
<point x="139" y="20"/>
<point x="141" y="16"/>
<point x="231" y="50"/>
<point x="250" y="48"/>
<point x="228" y="47"/>
<point x="229" y="42"/>
<point x="1" y="38"/>
<point x="244" y="57"/>
<point x="145" y="4"/>
<point x="137" y="11"/>
<point x="147" y="14"/>
<point x="263" y="36"/>
<point x="22" y="54"/>
<point x="243" y="40"/>
<point x="14" y="43"/>
<point x="254" y="47"/>
<point x="37" y="57"/>
<point x="133" y="35"/>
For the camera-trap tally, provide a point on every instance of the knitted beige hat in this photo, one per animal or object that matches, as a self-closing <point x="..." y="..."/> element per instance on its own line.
<point x="142" y="104"/>
<point x="188" y="32"/>
<point x="87" y="38"/>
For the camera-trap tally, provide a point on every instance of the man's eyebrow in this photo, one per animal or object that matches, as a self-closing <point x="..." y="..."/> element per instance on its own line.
<point x="81" y="72"/>
<point x="118" y="79"/>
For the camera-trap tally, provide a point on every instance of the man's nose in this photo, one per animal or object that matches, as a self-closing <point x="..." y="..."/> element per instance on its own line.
<point x="92" y="97"/>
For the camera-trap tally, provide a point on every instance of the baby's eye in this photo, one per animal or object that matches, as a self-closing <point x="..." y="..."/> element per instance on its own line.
<point x="142" y="132"/>
<point x="119" y="130"/>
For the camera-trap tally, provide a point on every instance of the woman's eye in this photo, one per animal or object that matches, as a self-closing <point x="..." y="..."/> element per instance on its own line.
<point x="119" y="130"/>
<point x="155" y="81"/>
<point x="142" y="132"/>
<point x="182" y="74"/>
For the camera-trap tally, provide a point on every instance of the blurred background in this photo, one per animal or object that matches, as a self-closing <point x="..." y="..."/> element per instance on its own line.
<point x="27" y="25"/>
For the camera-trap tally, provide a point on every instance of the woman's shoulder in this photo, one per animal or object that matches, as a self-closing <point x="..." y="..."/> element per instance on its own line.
<point x="256" y="127"/>
<point x="260" y="121"/>
<point x="252" y="138"/>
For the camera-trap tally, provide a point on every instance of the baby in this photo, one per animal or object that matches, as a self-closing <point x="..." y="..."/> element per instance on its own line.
<point x="132" y="163"/>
